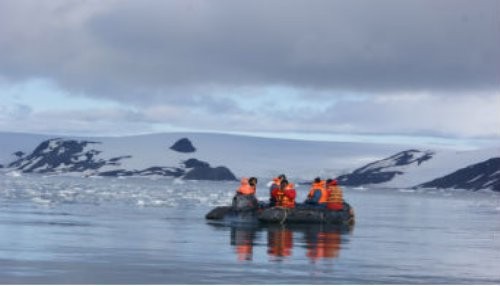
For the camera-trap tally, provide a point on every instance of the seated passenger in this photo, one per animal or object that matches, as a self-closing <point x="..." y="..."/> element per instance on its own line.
<point x="245" y="188"/>
<point x="285" y="195"/>
<point x="274" y="186"/>
<point x="288" y="200"/>
<point x="245" y="195"/>
<point x="335" y="199"/>
<point x="317" y="195"/>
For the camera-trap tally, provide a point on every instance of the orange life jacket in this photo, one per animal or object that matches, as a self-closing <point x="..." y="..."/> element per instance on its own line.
<point x="319" y="186"/>
<point x="288" y="199"/>
<point x="335" y="199"/>
<point x="245" y="188"/>
<point x="277" y="195"/>
<point x="275" y="186"/>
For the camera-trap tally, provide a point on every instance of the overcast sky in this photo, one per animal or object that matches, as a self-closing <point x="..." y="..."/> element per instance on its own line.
<point x="350" y="69"/>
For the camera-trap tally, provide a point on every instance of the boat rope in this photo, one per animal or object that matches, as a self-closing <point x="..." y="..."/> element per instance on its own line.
<point x="285" y="216"/>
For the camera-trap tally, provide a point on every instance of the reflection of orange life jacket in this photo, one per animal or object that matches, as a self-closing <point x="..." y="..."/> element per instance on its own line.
<point x="319" y="186"/>
<point x="335" y="199"/>
<point x="326" y="246"/>
<point x="245" y="252"/>
<point x="280" y="242"/>
<point x="245" y="188"/>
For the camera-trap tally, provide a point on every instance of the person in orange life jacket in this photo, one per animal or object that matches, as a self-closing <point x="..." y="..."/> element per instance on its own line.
<point x="275" y="185"/>
<point x="285" y="195"/>
<point x="317" y="195"/>
<point x="335" y="199"/>
<point x="245" y="187"/>
<point x="245" y="194"/>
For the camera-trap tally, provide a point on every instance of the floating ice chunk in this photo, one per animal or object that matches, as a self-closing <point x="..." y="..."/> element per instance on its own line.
<point x="158" y="202"/>
<point x="41" y="201"/>
<point x="178" y="181"/>
<point x="14" y="174"/>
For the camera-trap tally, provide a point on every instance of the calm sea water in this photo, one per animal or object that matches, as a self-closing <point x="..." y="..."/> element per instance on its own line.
<point x="75" y="230"/>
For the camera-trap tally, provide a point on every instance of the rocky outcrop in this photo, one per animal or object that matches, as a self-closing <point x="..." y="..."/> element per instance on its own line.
<point x="386" y="169"/>
<point x="58" y="155"/>
<point x="195" y="163"/>
<point x="152" y="171"/>
<point x="483" y="175"/>
<point x="18" y="154"/>
<point x="199" y="170"/>
<point x="184" y="146"/>
<point x="61" y="156"/>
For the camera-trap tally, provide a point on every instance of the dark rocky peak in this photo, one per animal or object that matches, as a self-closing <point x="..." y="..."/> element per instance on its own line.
<point x="386" y="169"/>
<point x="54" y="153"/>
<point x="195" y="163"/>
<point x="184" y="146"/>
<point x="209" y="173"/>
<point x="410" y="156"/>
<point x="19" y="154"/>
<point x="61" y="146"/>
<point x="403" y="158"/>
<point x="200" y="170"/>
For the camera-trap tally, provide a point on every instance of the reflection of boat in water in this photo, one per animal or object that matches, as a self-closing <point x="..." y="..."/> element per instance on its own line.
<point x="321" y="241"/>
<point x="243" y="240"/>
<point x="279" y="242"/>
<point x="323" y="244"/>
<point x="246" y="209"/>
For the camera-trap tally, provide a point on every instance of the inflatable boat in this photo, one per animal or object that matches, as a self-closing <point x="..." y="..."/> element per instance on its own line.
<point x="246" y="209"/>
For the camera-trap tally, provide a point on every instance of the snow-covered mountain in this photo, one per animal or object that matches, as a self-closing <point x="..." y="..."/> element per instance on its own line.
<point x="483" y="175"/>
<point x="385" y="170"/>
<point x="222" y="156"/>
<point x="81" y="156"/>
<point x="412" y="168"/>
<point x="167" y="153"/>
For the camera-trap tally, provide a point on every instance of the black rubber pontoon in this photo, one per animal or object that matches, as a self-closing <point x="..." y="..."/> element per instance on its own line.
<point x="305" y="214"/>
<point x="245" y="209"/>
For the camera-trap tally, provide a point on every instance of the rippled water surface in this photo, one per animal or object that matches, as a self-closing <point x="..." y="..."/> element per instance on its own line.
<point x="91" y="230"/>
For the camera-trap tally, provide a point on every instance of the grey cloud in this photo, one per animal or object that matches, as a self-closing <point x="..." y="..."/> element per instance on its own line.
<point x="15" y="111"/>
<point x="147" y="51"/>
